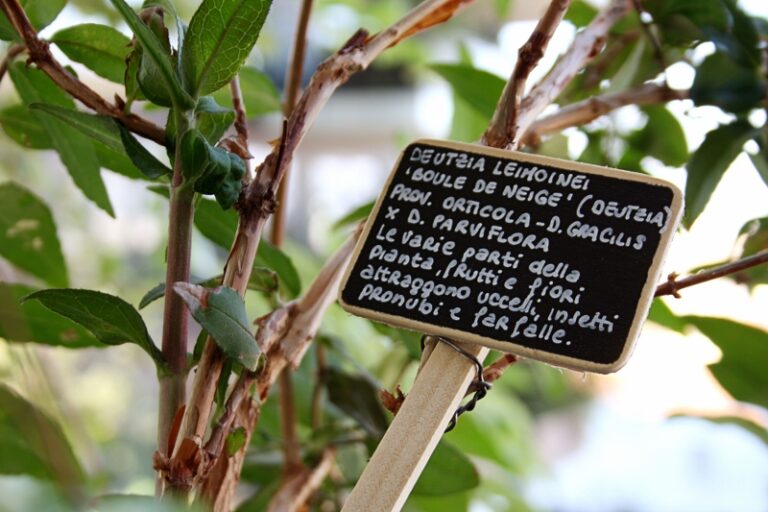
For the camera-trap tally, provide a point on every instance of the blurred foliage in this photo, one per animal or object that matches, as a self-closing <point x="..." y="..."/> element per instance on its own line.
<point x="488" y="456"/>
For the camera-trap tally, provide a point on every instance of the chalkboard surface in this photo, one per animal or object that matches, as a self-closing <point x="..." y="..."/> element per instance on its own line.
<point x="548" y="259"/>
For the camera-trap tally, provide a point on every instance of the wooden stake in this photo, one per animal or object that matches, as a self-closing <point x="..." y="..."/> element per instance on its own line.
<point x="410" y="440"/>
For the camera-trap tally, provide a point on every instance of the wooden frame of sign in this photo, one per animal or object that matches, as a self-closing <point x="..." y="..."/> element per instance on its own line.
<point x="544" y="258"/>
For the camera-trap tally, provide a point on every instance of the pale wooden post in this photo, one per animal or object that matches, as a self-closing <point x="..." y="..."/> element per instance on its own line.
<point x="413" y="435"/>
<point x="443" y="379"/>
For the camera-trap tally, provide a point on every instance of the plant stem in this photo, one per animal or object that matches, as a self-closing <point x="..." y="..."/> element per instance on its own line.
<point x="588" y="110"/>
<point x="291" y="445"/>
<point x="258" y="200"/>
<point x="585" y="47"/>
<point x="503" y="130"/>
<point x="175" y="314"/>
<point x="293" y="78"/>
<point x="40" y="54"/>
<point x="13" y="51"/>
<point x="241" y="120"/>
<point x="672" y="286"/>
<point x="316" y="409"/>
<point x="288" y="420"/>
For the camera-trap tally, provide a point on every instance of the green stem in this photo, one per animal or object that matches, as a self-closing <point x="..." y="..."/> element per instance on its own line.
<point x="175" y="315"/>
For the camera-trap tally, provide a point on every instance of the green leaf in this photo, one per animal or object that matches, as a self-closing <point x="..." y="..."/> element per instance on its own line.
<point x="235" y="440"/>
<point x="448" y="471"/>
<point x="210" y="169"/>
<point x="220" y="226"/>
<point x="708" y="164"/>
<point x="148" y="75"/>
<point x="262" y="280"/>
<point x="662" y="315"/>
<point x="684" y="21"/>
<point x="145" y="161"/>
<point x="270" y="256"/>
<point x="630" y="66"/>
<point x="100" y="48"/>
<point x="457" y="502"/>
<point x="110" y="148"/>
<point x="32" y="443"/>
<point x="411" y="340"/>
<point x="213" y="120"/>
<point x="101" y="129"/>
<point x="157" y="54"/>
<point x="24" y="128"/>
<point x="222" y="386"/>
<point x="260" y="96"/>
<point x="32" y="322"/>
<point x="136" y="502"/>
<point x="133" y="90"/>
<point x="220" y="37"/>
<point x="358" y="214"/>
<point x="170" y="11"/>
<point x="741" y="370"/>
<point x="216" y="224"/>
<point x="669" y="145"/>
<point x="580" y="13"/>
<point x="753" y="428"/>
<point x="110" y="319"/>
<point x="741" y="42"/>
<point x="480" y="89"/>
<point x="28" y="235"/>
<point x="221" y="312"/>
<point x="467" y="125"/>
<point x="158" y="291"/>
<point x="75" y="150"/>
<point x="724" y="83"/>
<point x="662" y="137"/>
<point x="40" y="13"/>
<point x="753" y="238"/>
<point x="758" y="160"/>
<point x="555" y="145"/>
<point x="357" y="397"/>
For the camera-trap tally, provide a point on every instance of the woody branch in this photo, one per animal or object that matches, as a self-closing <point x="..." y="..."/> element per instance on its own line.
<point x="258" y="200"/>
<point x="40" y="54"/>
<point x="503" y="130"/>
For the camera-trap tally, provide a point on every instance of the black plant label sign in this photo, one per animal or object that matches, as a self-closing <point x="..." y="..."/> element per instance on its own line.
<point x="548" y="259"/>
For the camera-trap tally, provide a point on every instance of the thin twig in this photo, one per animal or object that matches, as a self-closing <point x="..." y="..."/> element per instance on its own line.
<point x="494" y="371"/>
<point x="583" y="112"/>
<point x="586" y="45"/>
<point x="503" y="129"/>
<point x="673" y="285"/>
<point x="291" y="445"/>
<point x="13" y="51"/>
<point x="595" y="72"/>
<point x="355" y="55"/>
<point x="293" y="77"/>
<point x="238" y="105"/>
<point x="258" y="200"/>
<point x="284" y="336"/>
<point x="40" y="54"/>
<point x="217" y="490"/>
<point x="173" y="383"/>
<point x="316" y="405"/>
<point x="296" y="491"/>
<point x="240" y="392"/>
<point x="288" y="421"/>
